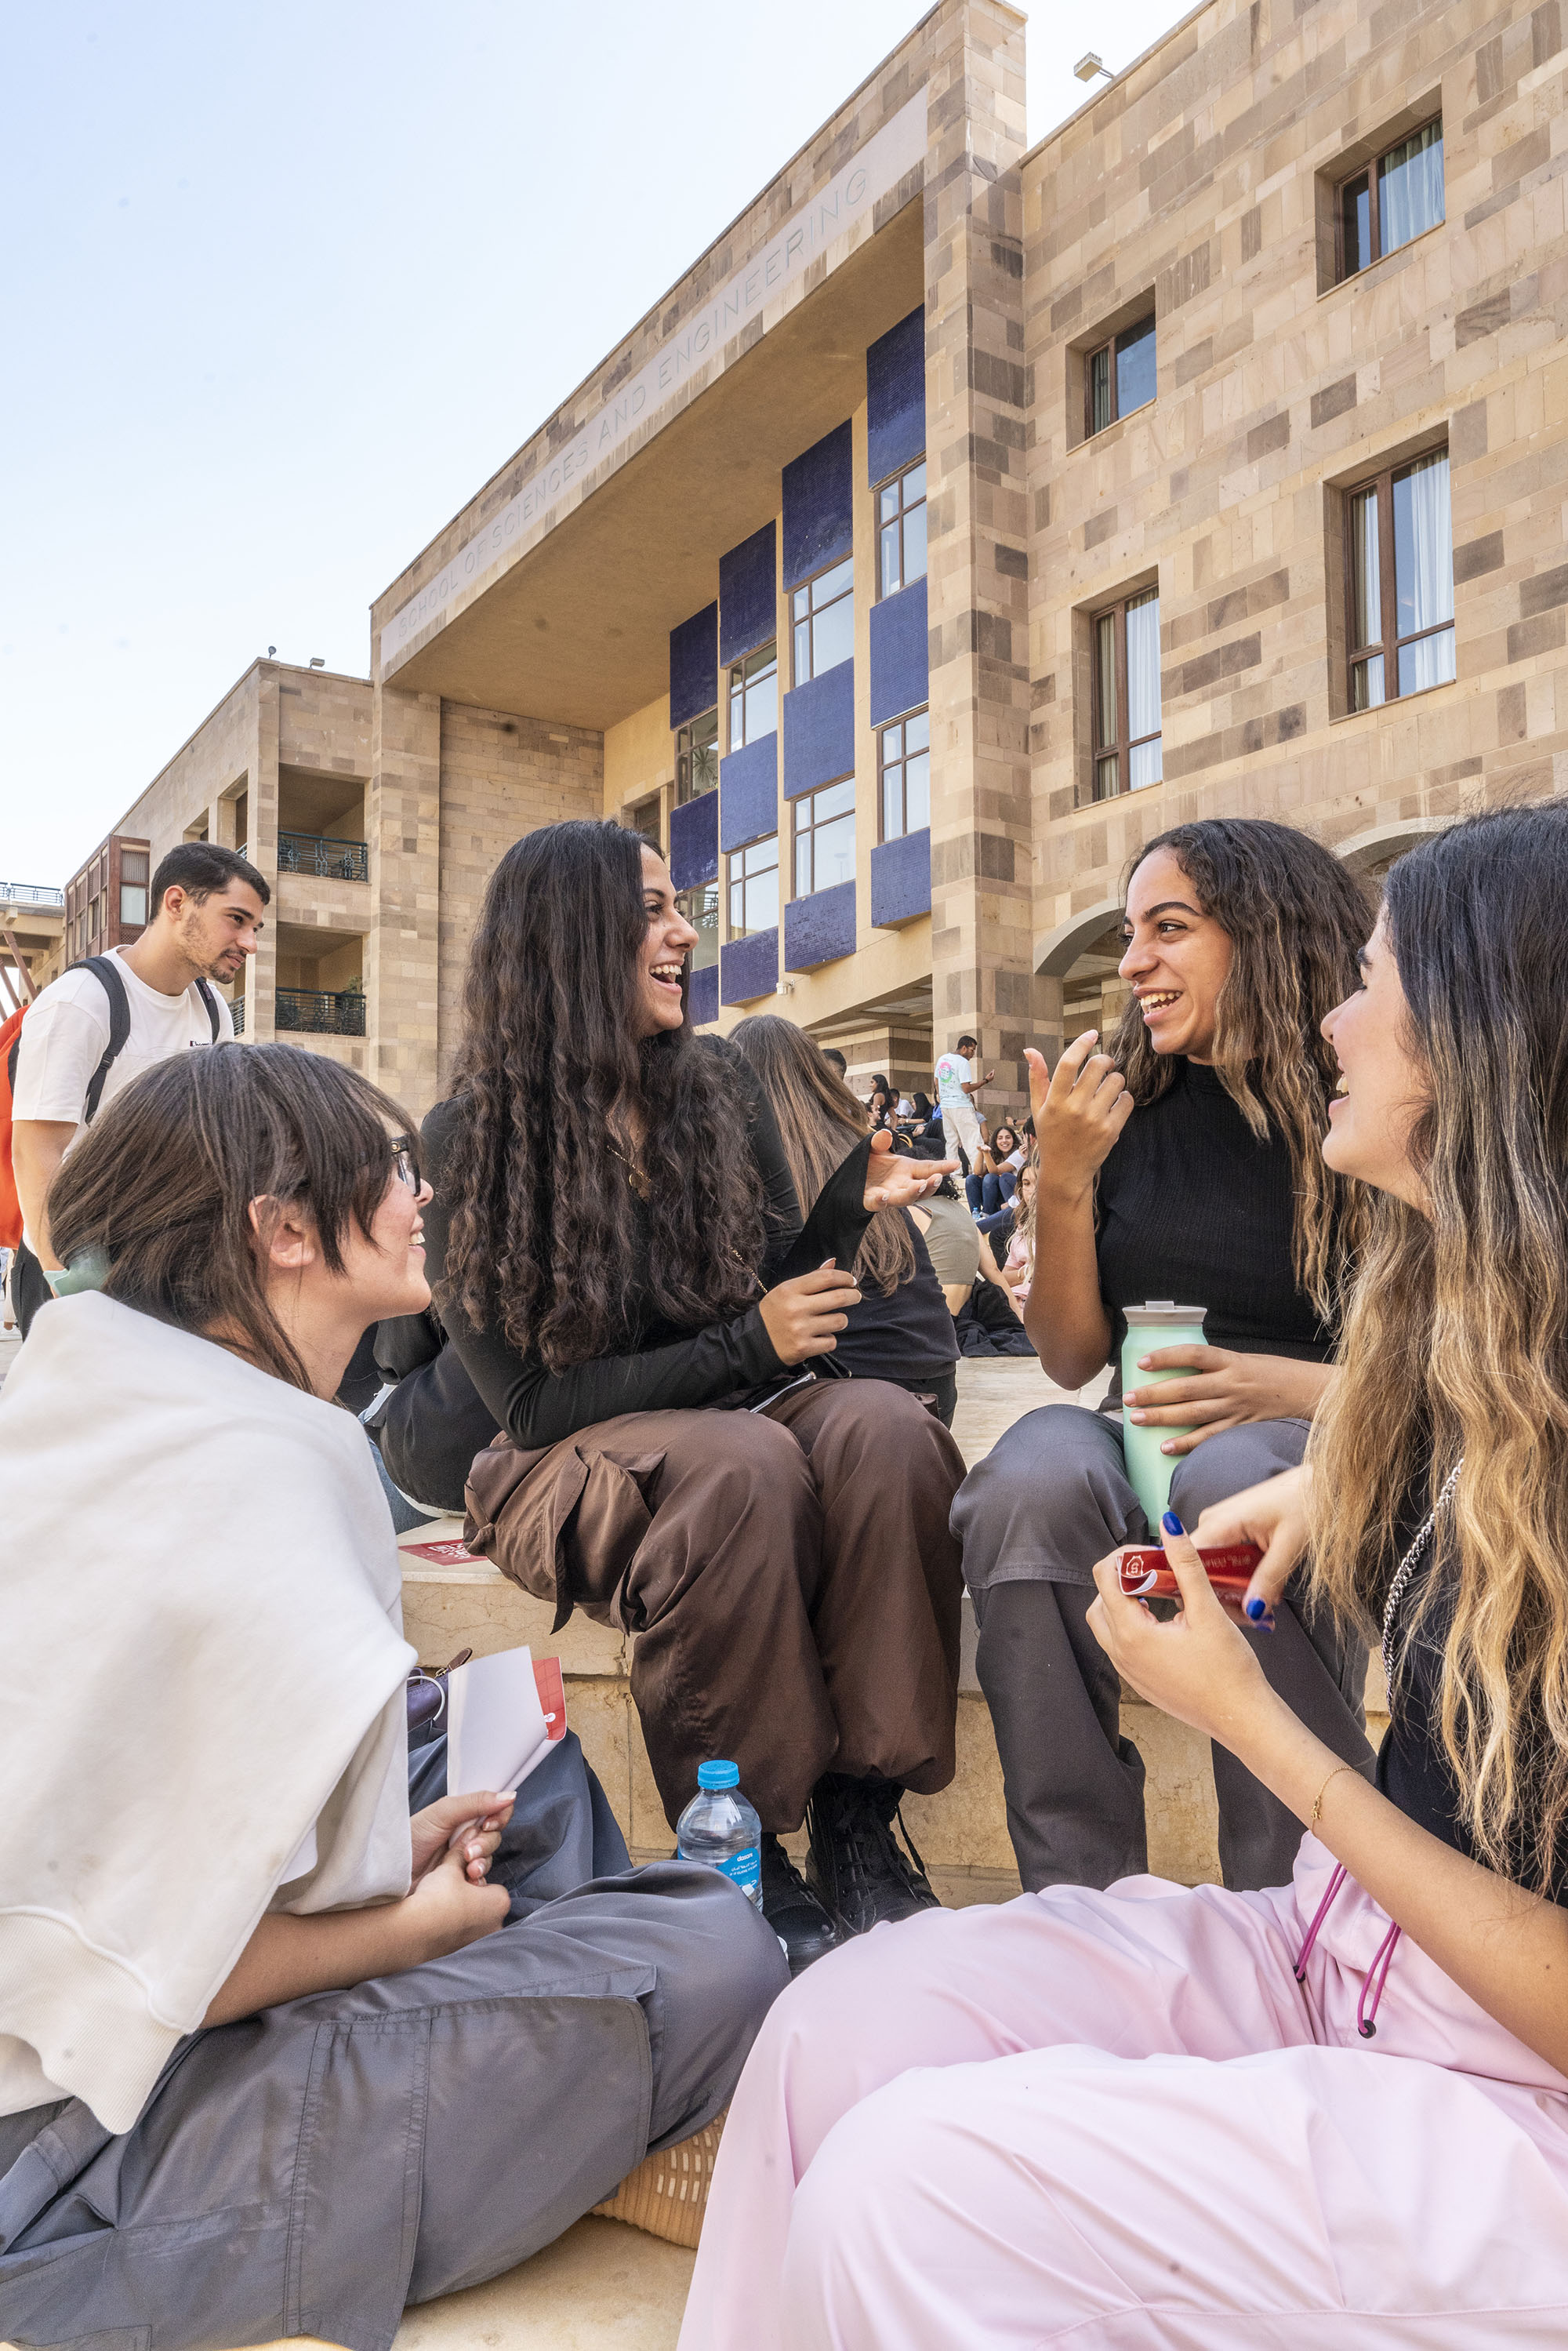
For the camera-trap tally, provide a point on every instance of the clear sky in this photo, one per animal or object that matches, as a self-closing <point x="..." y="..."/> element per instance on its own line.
<point x="284" y="284"/>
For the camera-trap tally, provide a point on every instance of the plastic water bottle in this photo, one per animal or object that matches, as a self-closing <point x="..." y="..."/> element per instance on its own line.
<point x="720" y="1828"/>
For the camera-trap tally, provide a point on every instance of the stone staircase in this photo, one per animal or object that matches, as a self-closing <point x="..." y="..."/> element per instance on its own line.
<point x="605" y="2287"/>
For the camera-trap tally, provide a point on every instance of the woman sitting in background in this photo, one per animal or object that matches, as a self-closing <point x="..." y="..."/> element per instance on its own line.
<point x="902" y="1329"/>
<point x="1335" y="2112"/>
<point x="1018" y="1263"/>
<point x="1001" y="1162"/>
<point x="276" y="2059"/>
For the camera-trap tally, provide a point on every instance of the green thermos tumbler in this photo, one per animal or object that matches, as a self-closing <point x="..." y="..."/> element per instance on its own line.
<point x="1159" y="1323"/>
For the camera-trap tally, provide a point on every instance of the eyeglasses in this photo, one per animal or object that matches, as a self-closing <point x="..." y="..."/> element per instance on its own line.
<point x="406" y="1166"/>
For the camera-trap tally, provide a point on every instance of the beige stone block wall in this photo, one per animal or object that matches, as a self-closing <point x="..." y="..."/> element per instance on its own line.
<point x="981" y="942"/>
<point x="1197" y="180"/>
<point x="402" y="824"/>
<point x="501" y="777"/>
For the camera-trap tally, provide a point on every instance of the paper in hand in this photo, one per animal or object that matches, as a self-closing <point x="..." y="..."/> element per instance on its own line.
<point x="504" y="1714"/>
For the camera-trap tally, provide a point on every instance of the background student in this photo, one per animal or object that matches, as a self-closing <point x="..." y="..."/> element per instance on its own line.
<point x="81" y="1043"/>
<point x="956" y="1086"/>
<point x="1183" y="1162"/>
<point x="902" y="1329"/>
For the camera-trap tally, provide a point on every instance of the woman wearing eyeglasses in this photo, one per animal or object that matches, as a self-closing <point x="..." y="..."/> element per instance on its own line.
<point x="276" y="2057"/>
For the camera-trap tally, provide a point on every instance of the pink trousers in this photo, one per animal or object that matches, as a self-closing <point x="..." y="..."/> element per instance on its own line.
<point x="1116" y="2120"/>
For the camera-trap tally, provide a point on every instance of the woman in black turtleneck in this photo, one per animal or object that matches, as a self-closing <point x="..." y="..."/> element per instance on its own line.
<point x="1183" y="1164"/>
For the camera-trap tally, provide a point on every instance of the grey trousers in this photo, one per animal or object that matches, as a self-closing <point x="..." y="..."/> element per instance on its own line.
<point x="1049" y="1500"/>
<point x="310" y="2170"/>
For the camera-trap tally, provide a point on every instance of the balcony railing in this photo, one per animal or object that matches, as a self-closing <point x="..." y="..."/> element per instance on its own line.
<point x="29" y="894"/>
<point x="318" y="1013"/>
<point x="236" y="1014"/>
<point x="328" y="860"/>
<point x="318" y="853"/>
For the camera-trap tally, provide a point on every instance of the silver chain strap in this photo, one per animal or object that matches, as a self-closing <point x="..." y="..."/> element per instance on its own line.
<point x="1406" y="1569"/>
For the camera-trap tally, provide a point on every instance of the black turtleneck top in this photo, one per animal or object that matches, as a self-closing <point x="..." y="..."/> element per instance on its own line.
<point x="1190" y="1207"/>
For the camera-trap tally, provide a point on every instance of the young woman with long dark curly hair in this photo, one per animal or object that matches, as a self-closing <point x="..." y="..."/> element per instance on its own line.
<point x="655" y="1334"/>
<point x="1336" y="2111"/>
<point x="1182" y="1163"/>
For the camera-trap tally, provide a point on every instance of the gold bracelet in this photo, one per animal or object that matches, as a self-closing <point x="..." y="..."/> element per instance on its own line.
<point x="1323" y="1792"/>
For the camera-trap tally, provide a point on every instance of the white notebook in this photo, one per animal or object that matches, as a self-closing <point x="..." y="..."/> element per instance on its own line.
<point x="497" y="1730"/>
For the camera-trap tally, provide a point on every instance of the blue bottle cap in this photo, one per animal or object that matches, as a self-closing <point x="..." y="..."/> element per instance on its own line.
<point x="718" y="1775"/>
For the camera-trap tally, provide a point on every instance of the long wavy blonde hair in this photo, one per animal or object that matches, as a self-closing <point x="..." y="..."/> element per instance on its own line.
<point x="1296" y="917"/>
<point x="1456" y="1341"/>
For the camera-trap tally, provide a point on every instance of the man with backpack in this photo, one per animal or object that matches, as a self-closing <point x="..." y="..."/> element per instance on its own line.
<point x="108" y="1019"/>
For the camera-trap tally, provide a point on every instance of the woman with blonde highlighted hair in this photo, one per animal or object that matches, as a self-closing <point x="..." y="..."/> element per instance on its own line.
<point x="1165" y="2115"/>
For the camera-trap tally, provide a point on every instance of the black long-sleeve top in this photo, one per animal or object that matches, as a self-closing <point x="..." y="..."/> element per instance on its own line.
<point x="655" y="1367"/>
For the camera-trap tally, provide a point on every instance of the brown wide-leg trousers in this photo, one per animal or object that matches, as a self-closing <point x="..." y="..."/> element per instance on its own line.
<point x="789" y="1577"/>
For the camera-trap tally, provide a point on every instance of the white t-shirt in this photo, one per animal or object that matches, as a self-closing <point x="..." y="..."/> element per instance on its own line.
<point x="951" y="1071"/>
<point x="65" y="1035"/>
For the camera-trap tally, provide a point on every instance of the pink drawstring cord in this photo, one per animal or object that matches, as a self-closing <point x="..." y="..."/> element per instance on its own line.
<point x="1377" y="1974"/>
<point x="1324" y="1906"/>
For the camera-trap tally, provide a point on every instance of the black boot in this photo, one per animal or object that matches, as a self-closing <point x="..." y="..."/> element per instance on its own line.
<point x="792" y="1910"/>
<point x="856" y="1868"/>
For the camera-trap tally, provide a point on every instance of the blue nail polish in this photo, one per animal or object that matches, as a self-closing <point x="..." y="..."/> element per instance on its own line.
<point x="1256" y="1609"/>
<point x="1172" y="1524"/>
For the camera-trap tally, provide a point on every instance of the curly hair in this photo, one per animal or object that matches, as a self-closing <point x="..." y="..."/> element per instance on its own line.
<point x="1296" y="918"/>
<point x="1456" y="1341"/>
<point x="558" y="1105"/>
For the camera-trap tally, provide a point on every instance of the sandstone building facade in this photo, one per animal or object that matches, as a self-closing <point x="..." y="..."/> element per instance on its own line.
<point x="963" y="517"/>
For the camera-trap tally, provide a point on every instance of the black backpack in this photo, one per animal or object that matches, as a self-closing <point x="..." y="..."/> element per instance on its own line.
<point x="106" y="971"/>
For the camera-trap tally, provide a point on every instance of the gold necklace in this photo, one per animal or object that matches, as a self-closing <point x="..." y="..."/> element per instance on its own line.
<point x="634" y="1172"/>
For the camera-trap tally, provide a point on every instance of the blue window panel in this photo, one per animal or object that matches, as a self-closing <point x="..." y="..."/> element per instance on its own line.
<point x="818" y="507"/>
<point x="820" y="928"/>
<point x="702" y="996"/>
<point x="896" y="398"/>
<point x="693" y="666"/>
<point x="747" y="595"/>
<point x="694" y="842"/>
<point x="749" y="793"/>
<point x="900" y="879"/>
<point x="819" y="730"/>
<point x="748" y="967"/>
<point x="900" y="655"/>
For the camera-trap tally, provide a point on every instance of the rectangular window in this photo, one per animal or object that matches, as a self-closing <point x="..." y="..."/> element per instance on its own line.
<point x="903" y="753"/>
<point x="754" y="888"/>
<point x="1393" y="200"/>
<point x="754" y="696"/>
<point x="643" y="820"/>
<point x="1120" y="376"/>
<point x="697" y="758"/>
<point x="1126" y="696"/>
<point x="1399" y="555"/>
<point x="901" y="529"/>
<point x="825" y="837"/>
<point x="824" y="616"/>
<point x="700" y="908"/>
<point x="132" y="904"/>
